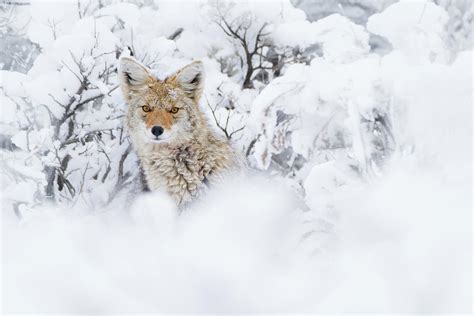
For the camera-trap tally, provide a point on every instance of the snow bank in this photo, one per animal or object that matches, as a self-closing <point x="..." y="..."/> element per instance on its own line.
<point x="402" y="245"/>
<point x="208" y="259"/>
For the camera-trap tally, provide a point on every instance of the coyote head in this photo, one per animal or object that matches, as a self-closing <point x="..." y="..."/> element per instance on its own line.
<point x="162" y="111"/>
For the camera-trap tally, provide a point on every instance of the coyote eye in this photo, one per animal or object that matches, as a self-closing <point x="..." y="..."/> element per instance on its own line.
<point x="146" y="108"/>
<point x="174" y="110"/>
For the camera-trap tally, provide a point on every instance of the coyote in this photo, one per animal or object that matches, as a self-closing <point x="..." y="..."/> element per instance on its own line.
<point x="178" y="151"/>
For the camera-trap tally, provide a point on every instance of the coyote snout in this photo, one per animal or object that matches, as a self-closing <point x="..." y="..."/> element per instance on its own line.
<point x="177" y="150"/>
<point x="157" y="130"/>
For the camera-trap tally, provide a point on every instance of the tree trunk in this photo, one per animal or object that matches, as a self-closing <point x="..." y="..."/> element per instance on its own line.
<point x="248" y="84"/>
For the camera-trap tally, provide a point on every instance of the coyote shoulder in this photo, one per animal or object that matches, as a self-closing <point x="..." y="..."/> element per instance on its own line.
<point x="178" y="151"/>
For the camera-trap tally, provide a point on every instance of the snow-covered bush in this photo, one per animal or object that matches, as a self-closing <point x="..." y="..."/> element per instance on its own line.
<point x="289" y="93"/>
<point x="72" y="130"/>
<point x="68" y="118"/>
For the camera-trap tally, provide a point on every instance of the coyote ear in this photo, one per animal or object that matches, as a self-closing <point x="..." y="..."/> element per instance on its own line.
<point x="134" y="77"/>
<point x="191" y="79"/>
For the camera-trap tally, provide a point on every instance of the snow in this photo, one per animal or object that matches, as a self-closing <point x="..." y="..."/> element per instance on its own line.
<point x="13" y="83"/>
<point x="414" y="27"/>
<point x="342" y="40"/>
<point x="42" y="137"/>
<point x="356" y="197"/>
<point x="50" y="20"/>
<point x="128" y="13"/>
<point x="8" y="110"/>
<point x="239" y="257"/>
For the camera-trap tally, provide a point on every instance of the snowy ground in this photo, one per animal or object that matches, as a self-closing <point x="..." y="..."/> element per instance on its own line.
<point x="403" y="245"/>
<point x="358" y="191"/>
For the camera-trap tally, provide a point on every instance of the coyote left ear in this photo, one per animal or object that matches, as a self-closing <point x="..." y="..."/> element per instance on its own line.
<point x="134" y="77"/>
<point x="191" y="79"/>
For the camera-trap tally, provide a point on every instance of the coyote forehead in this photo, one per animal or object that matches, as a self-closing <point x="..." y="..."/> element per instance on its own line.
<point x="166" y="91"/>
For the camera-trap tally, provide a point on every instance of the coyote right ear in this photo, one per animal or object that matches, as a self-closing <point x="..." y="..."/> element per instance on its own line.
<point x="134" y="77"/>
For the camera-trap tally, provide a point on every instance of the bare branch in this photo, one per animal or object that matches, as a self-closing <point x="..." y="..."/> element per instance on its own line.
<point x="224" y="128"/>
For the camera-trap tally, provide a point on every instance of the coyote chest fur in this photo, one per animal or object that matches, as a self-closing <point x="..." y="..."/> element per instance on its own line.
<point x="178" y="151"/>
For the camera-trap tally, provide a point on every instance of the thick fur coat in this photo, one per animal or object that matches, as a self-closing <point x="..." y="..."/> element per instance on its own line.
<point x="178" y="151"/>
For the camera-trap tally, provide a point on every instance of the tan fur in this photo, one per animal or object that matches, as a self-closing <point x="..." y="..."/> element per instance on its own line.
<point x="159" y="117"/>
<point x="192" y="156"/>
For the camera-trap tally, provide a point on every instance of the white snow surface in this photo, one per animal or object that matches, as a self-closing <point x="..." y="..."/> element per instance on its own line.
<point x="403" y="244"/>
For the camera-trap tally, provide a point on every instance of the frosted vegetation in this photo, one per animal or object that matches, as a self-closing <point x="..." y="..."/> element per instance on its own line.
<point x="354" y="121"/>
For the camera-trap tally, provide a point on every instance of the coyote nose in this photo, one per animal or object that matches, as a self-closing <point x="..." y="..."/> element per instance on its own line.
<point x="157" y="130"/>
